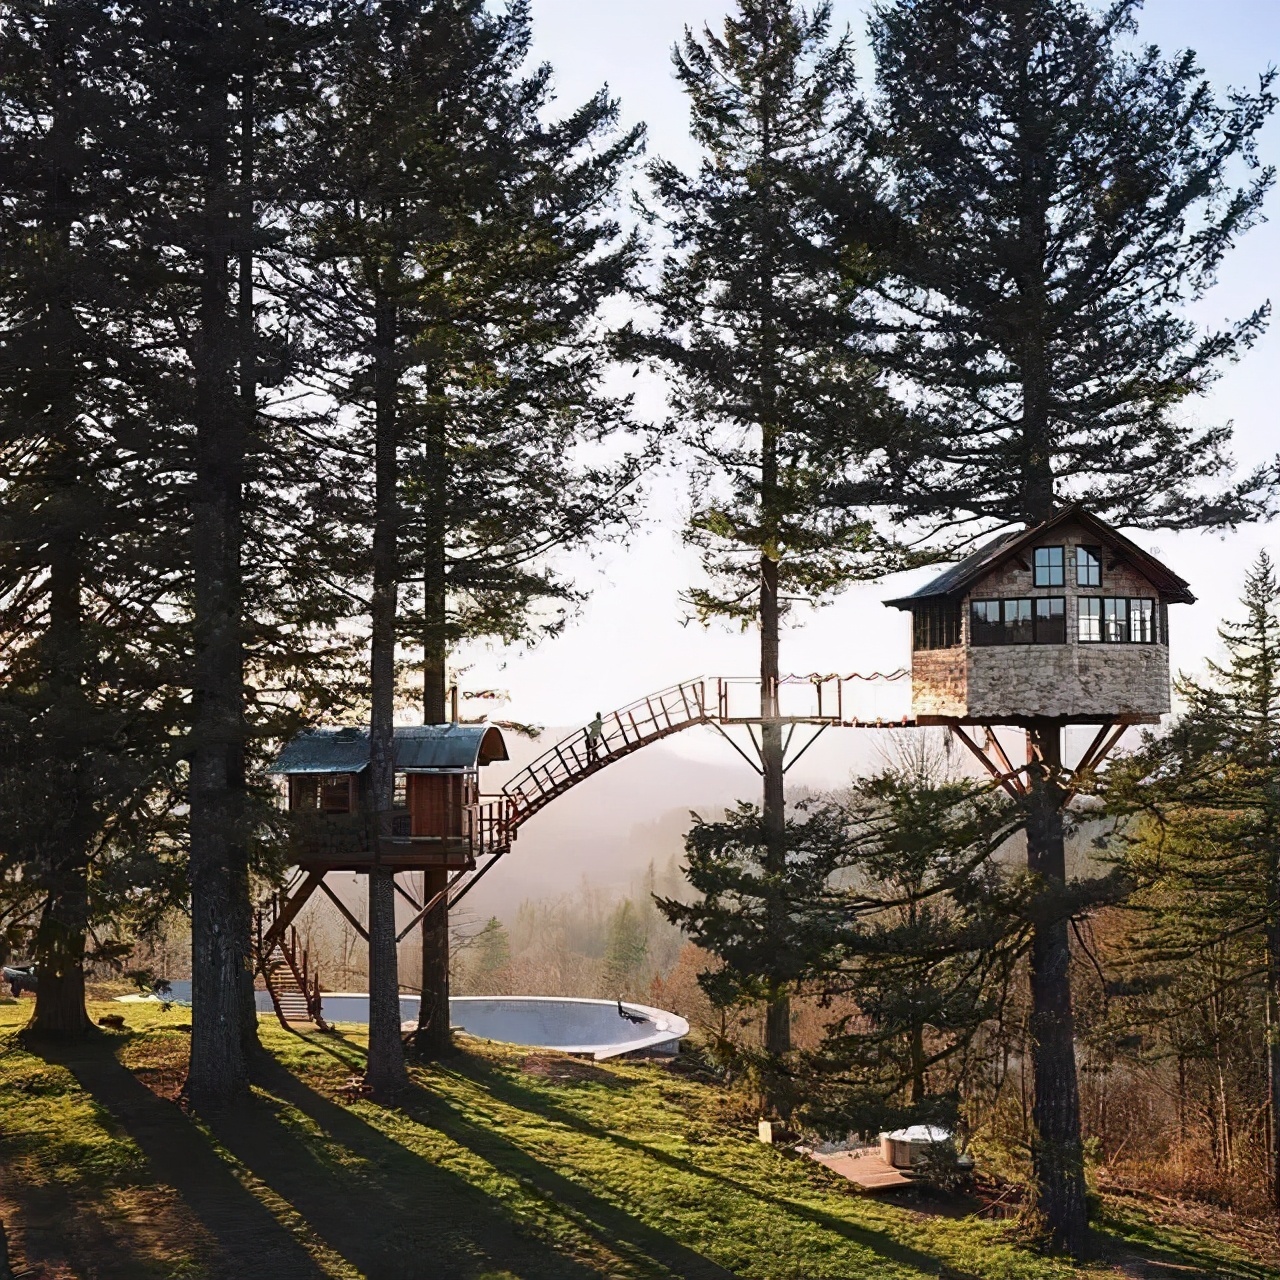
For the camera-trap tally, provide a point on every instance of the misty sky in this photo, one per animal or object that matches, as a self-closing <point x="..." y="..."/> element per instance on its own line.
<point x="632" y="636"/>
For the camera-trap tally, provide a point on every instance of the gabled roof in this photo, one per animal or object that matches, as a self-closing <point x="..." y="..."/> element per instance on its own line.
<point x="418" y="747"/>
<point x="991" y="555"/>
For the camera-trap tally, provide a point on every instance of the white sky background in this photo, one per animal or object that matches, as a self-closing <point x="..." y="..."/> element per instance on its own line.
<point x="630" y="638"/>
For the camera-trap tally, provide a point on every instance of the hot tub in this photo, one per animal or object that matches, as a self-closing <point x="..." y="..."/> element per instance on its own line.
<point x="565" y="1023"/>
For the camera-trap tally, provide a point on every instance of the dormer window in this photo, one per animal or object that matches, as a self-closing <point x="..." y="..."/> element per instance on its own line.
<point x="1088" y="566"/>
<point x="1050" y="566"/>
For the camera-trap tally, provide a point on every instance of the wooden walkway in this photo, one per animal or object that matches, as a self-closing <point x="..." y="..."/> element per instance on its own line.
<point x="865" y="1168"/>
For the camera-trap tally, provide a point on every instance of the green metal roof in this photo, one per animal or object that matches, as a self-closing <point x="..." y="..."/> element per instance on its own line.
<point x="428" y="747"/>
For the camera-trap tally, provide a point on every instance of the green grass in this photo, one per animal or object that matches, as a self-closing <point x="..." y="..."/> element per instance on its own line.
<point x="498" y="1165"/>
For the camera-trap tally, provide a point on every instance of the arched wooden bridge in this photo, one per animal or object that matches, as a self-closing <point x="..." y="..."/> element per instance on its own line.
<point x="816" y="700"/>
<point x="492" y="824"/>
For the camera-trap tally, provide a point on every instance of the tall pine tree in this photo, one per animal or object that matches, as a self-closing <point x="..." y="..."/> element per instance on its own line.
<point x="1207" y="847"/>
<point x="454" y="275"/>
<point x="1065" y="198"/>
<point x="91" y="692"/>
<point x="767" y="337"/>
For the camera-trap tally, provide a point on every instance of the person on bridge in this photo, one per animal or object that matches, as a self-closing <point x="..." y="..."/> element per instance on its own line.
<point x="594" y="731"/>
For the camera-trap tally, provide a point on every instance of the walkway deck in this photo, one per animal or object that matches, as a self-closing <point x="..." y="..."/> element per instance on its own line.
<point x="865" y="1168"/>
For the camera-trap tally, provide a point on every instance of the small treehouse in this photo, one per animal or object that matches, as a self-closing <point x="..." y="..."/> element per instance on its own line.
<point x="1067" y="621"/>
<point x="437" y="827"/>
<point x="437" y="789"/>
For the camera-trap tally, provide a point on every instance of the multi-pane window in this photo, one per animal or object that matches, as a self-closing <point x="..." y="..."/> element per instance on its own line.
<point x="1088" y="566"/>
<point x="1050" y="565"/>
<point x="335" y="793"/>
<point x="400" y="796"/>
<point x="1017" y="621"/>
<point x="1117" y="620"/>
<point x="1142" y="621"/>
<point x="984" y="624"/>
<point x="1022" y="621"/>
<point x="935" y="625"/>
<point x="1090" y="621"/>
<point x="1051" y="620"/>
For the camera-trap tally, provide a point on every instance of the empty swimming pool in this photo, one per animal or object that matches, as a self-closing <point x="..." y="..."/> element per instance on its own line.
<point x="594" y="1027"/>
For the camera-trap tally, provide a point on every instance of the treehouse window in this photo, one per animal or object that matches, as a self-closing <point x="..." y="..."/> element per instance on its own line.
<point x="1051" y="620"/>
<point x="935" y="626"/>
<point x="1050" y="565"/>
<point x="335" y="793"/>
<point x="1117" y="621"/>
<point x="1088" y="566"/>
<point x="1142" y="621"/>
<point x="1023" y="621"/>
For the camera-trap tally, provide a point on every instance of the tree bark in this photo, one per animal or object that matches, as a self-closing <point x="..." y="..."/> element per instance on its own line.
<point x="1057" y="1152"/>
<point x="59" y="945"/>
<point x="220" y="941"/>
<point x="247" y="353"/>
<point x="386" y="1070"/>
<point x="777" y="1039"/>
<point x="433" y="1038"/>
<point x="1273" y="1026"/>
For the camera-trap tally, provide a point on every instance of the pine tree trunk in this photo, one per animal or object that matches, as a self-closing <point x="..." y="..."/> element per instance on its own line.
<point x="59" y="954"/>
<point x="1273" y="1030"/>
<point x="246" y="341"/>
<point x="777" y="1038"/>
<point x="221" y="966"/>
<point x="1056" y="1148"/>
<point x="433" y="1038"/>
<point x="386" y="1070"/>
<point x="59" y="945"/>
<point x="64" y="921"/>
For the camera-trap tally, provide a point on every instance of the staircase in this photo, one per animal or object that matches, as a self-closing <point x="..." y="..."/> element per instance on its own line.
<point x="286" y="970"/>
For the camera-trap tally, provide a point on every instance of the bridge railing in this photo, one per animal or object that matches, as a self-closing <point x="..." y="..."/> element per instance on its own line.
<point x="620" y="732"/>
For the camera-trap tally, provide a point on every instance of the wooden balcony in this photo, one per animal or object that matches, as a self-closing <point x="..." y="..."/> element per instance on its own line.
<point x="346" y="842"/>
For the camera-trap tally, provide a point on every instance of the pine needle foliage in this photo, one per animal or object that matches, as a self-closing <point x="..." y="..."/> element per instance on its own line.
<point x="1063" y="196"/>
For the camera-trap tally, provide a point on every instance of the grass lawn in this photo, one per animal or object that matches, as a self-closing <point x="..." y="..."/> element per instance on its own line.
<point x="500" y="1164"/>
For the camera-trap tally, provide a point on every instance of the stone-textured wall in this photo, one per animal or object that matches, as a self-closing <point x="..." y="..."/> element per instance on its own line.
<point x="1072" y="679"/>
<point x="1067" y="680"/>
<point x="938" y="682"/>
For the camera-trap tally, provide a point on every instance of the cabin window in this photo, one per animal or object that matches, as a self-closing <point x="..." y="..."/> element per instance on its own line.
<point x="1142" y="621"/>
<point x="984" y="624"/>
<point x="935" y="626"/>
<point x="1051" y="620"/>
<point x="1088" y="566"/>
<point x="1022" y="621"/>
<point x="1050" y="566"/>
<point x="304" y="791"/>
<point x="1018" y="627"/>
<point x="335" y="793"/>
<point x="1118" y="620"/>
<point x="1115" y="621"/>
<point x="400" y="796"/>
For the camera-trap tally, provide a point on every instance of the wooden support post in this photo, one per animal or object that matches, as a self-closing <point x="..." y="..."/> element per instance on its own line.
<point x="342" y="906"/>
<point x="289" y="909"/>
<point x="1009" y="781"/>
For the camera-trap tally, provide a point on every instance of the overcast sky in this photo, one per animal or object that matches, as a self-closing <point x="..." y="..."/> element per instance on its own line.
<point x="631" y="638"/>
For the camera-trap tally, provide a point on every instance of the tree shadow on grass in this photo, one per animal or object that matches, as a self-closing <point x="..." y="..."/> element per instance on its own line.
<point x="619" y="1232"/>
<point x="1139" y="1256"/>
<point x="507" y="1090"/>
<point x="250" y="1240"/>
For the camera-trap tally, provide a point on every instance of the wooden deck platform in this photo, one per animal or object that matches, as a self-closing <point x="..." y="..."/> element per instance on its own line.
<point x="865" y="1168"/>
